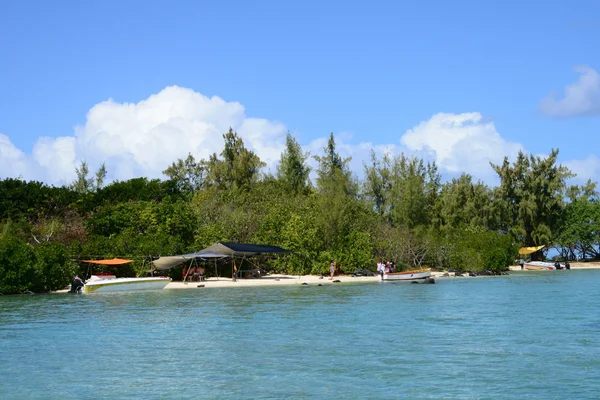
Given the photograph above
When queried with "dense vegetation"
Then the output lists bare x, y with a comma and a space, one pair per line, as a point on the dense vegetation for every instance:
401, 211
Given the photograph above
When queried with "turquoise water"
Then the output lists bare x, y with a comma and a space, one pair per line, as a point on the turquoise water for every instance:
525, 336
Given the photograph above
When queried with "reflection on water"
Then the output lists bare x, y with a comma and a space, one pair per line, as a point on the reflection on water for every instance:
460, 338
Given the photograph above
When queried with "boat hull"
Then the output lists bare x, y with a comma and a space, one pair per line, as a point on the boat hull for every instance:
539, 266
125, 285
406, 276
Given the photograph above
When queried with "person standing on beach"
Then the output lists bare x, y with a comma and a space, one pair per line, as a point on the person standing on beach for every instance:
331, 269
522, 262
380, 267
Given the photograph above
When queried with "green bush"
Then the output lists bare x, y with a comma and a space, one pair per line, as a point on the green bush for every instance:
38, 269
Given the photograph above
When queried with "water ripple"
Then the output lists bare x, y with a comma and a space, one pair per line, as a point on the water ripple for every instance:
526, 336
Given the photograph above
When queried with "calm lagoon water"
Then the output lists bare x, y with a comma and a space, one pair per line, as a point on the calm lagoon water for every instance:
523, 336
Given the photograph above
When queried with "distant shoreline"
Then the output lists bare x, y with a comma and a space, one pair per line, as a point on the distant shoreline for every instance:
574, 265
316, 280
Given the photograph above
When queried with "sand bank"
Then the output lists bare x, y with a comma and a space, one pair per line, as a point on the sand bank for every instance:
272, 280
574, 265
283, 280
286, 280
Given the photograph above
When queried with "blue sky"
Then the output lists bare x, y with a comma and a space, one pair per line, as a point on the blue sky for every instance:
371, 72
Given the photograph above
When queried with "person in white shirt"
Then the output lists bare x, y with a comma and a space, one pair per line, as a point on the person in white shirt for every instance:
380, 267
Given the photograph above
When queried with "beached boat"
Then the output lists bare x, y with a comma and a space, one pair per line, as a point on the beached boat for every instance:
407, 275
110, 283
539, 266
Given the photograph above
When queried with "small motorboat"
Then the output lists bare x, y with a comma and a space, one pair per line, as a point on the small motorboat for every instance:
110, 283
540, 266
407, 275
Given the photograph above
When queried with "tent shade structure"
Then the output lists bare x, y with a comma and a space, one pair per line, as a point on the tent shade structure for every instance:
215, 252
530, 250
164, 263
114, 261
242, 249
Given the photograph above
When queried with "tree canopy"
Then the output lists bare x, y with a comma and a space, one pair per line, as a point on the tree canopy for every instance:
400, 210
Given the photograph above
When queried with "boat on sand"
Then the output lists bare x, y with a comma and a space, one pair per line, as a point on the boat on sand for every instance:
414, 275
539, 266
110, 283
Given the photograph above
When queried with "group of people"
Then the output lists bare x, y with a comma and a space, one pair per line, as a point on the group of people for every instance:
193, 273
385, 267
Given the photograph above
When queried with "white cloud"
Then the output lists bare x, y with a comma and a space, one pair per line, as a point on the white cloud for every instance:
579, 98
142, 139
13, 162
588, 168
56, 156
461, 143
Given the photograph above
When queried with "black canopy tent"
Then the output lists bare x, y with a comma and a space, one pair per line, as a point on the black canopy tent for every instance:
218, 251
242, 250
164, 263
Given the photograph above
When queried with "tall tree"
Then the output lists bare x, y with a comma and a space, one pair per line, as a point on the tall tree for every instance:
237, 168
292, 169
333, 167
413, 192
532, 197
82, 184
188, 174
337, 194
463, 203
580, 228
378, 183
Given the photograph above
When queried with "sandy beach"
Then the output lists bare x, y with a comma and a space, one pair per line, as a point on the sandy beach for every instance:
285, 280
272, 280
282, 280
574, 265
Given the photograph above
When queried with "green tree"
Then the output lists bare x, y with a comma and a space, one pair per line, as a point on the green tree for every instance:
413, 192
25, 268
292, 169
83, 184
463, 203
21, 200
378, 183
238, 167
188, 174
337, 191
532, 197
580, 228
332, 166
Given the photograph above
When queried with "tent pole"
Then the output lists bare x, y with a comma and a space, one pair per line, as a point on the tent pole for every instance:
188, 271
234, 277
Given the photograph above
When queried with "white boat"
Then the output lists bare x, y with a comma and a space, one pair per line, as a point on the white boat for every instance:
539, 266
407, 275
110, 283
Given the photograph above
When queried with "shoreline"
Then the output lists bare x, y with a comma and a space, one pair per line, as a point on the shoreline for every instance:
286, 280
574, 265
298, 280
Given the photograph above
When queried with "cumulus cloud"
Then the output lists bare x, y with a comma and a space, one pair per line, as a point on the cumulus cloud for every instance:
587, 168
142, 139
456, 142
460, 143
13, 162
579, 98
